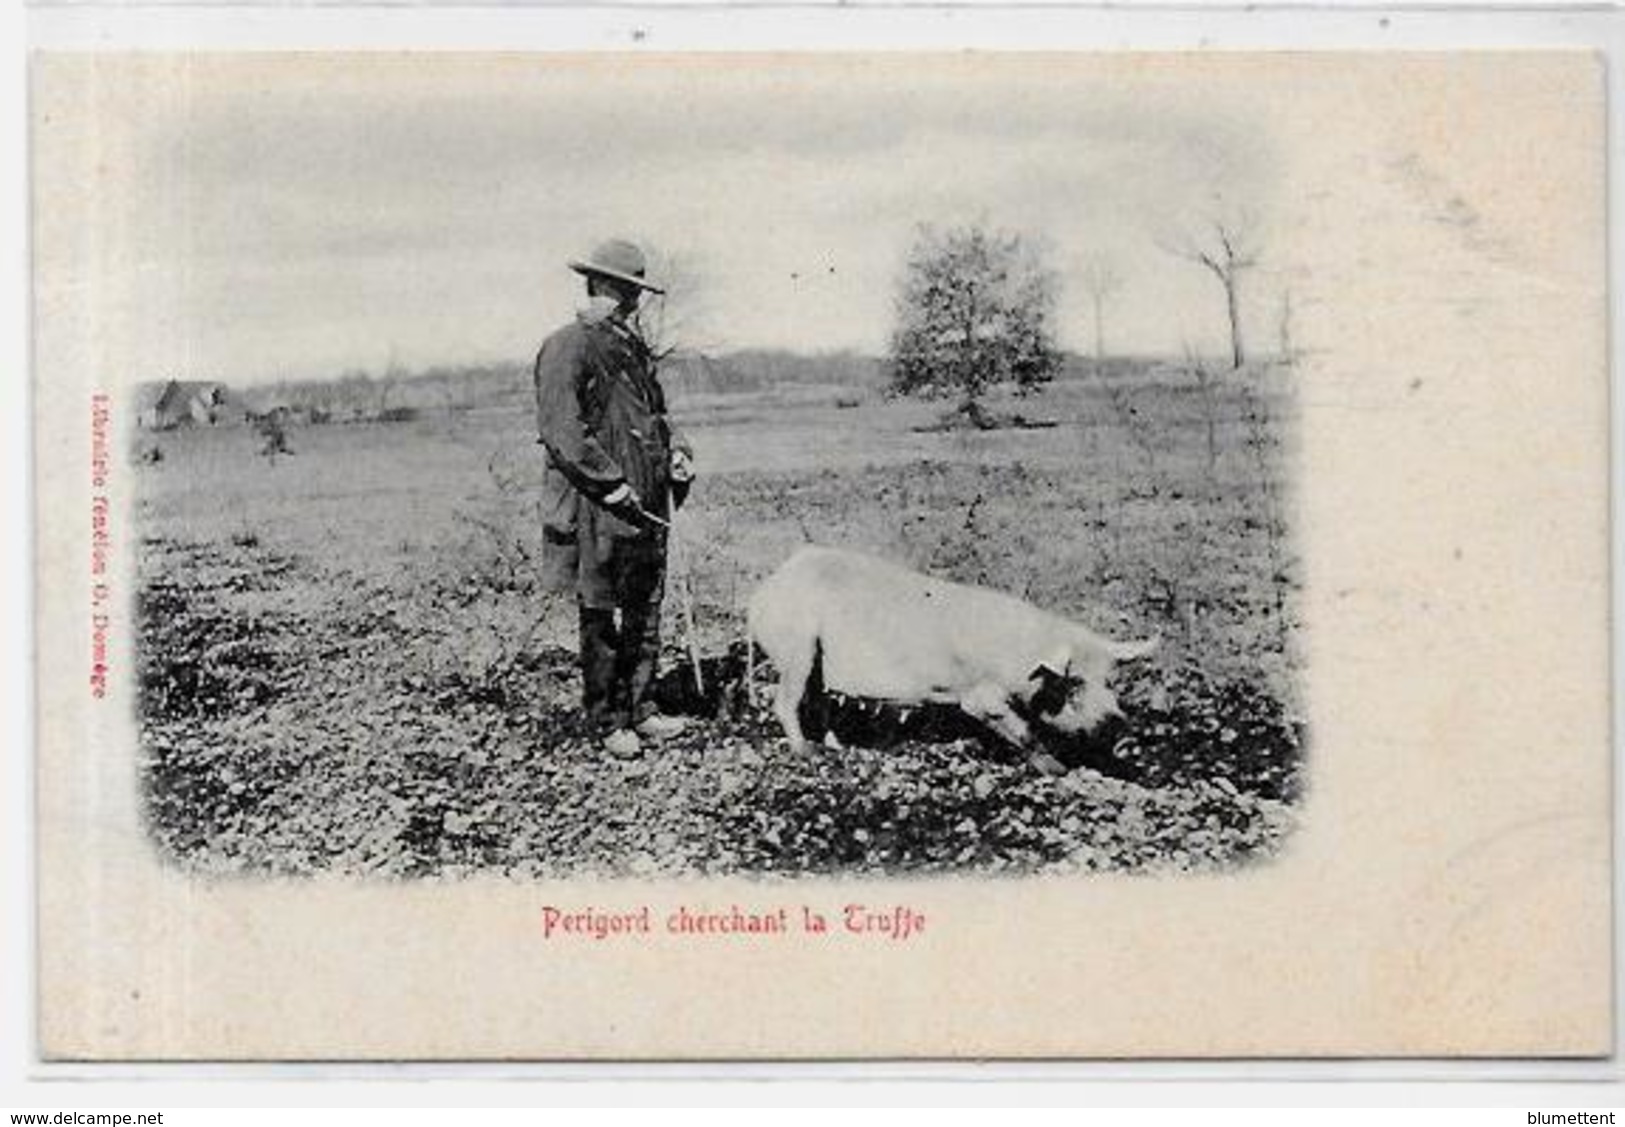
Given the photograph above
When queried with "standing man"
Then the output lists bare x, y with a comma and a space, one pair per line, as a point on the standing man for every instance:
615, 471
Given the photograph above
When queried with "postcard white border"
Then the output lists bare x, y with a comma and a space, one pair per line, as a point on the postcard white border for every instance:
913, 28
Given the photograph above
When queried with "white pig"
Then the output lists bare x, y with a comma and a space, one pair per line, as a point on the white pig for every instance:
887, 633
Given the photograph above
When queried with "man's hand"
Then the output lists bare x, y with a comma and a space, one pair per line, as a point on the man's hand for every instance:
682, 476
682, 466
623, 502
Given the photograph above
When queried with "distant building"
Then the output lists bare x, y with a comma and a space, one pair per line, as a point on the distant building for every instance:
178, 403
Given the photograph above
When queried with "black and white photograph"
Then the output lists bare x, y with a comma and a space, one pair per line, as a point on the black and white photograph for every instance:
533, 537
773, 477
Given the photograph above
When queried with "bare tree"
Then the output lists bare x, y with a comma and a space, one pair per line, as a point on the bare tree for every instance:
1205, 379
1286, 345
1227, 246
393, 380
671, 322
1102, 281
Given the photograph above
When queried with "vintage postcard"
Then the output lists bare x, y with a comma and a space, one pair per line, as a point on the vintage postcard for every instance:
577, 557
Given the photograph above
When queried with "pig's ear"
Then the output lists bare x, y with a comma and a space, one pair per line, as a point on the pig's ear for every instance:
1056, 663
1133, 651
1055, 683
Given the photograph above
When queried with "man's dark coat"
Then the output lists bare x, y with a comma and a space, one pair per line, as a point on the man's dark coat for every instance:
601, 414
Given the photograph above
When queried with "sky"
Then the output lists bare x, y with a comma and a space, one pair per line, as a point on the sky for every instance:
301, 216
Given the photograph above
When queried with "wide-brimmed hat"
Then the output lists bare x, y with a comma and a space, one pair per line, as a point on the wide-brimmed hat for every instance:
617, 259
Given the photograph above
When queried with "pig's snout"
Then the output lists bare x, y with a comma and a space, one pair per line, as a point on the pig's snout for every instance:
1088, 714
1112, 727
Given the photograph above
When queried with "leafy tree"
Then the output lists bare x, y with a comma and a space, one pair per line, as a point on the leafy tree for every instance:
974, 308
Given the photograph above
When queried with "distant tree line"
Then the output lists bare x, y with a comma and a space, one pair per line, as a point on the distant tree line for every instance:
357, 395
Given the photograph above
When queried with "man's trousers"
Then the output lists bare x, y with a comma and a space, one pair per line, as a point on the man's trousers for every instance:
620, 643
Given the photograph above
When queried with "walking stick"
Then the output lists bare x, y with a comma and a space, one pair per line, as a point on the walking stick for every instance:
685, 595
750, 665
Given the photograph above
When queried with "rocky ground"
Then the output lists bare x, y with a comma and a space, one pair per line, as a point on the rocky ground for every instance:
363, 732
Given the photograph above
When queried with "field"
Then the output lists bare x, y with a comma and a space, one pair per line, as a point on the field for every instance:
346, 663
